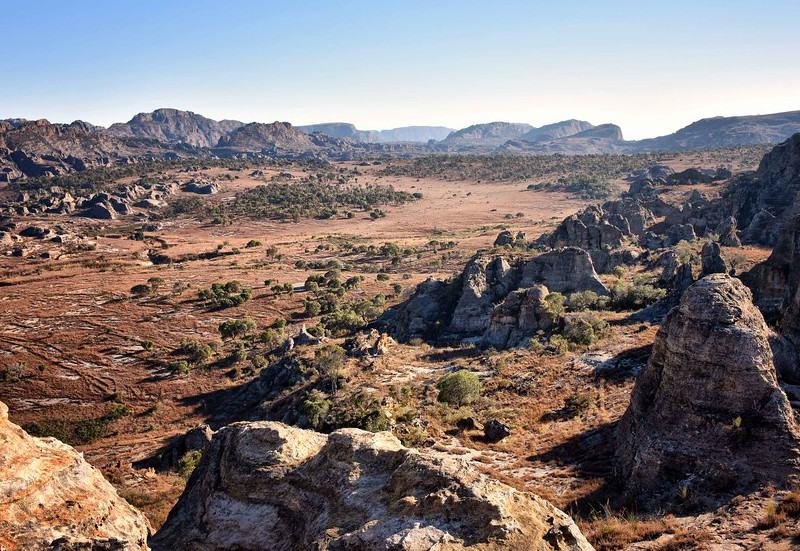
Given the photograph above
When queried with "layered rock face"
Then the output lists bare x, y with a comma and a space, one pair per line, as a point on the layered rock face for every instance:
707, 410
51, 498
266, 486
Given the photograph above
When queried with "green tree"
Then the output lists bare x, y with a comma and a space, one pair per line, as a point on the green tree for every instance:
459, 388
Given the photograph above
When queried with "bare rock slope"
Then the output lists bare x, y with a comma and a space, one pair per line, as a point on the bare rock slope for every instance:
267, 486
51, 498
707, 411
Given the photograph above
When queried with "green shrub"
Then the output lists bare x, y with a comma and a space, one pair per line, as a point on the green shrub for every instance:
382, 277
459, 388
141, 290
585, 328
197, 351
587, 300
188, 463
635, 295
179, 367
236, 327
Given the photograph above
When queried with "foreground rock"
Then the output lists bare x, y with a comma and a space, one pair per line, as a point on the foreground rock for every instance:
51, 498
267, 486
707, 412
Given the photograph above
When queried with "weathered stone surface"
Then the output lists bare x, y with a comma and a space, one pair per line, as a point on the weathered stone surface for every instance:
678, 233
711, 259
707, 407
728, 233
518, 317
415, 318
266, 486
485, 281
51, 498
775, 281
198, 438
202, 187
564, 270
102, 211
504, 238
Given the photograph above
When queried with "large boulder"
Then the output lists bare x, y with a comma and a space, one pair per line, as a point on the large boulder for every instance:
566, 270
266, 486
707, 411
51, 498
485, 281
416, 318
519, 317
711, 259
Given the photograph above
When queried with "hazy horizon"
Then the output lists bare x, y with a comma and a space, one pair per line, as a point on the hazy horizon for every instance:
651, 69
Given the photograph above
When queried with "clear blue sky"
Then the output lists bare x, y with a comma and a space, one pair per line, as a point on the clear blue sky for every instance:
650, 67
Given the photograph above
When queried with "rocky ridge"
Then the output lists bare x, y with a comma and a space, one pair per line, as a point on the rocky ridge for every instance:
267, 486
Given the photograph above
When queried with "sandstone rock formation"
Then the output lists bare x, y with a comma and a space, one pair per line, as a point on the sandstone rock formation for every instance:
707, 412
518, 317
775, 281
495, 302
266, 486
564, 270
485, 281
711, 259
51, 498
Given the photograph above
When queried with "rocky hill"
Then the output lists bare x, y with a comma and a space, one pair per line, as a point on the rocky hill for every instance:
40, 148
51, 498
489, 135
420, 134
555, 131
269, 486
174, 126
341, 130
726, 131
602, 139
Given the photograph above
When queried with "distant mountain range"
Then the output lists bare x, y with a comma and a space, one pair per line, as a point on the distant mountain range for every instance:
421, 134
36, 148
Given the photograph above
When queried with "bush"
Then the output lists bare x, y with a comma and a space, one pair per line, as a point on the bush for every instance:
141, 290
459, 388
188, 463
197, 351
179, 367
587, 300
382, 277
236, 327
585, 328
225, 296
635, 295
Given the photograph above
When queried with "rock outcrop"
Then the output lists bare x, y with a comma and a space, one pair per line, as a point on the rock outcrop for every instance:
51, 498
775, 281
707, 411
564, 270
485, 281
267, 486
711, 259
493, 302
519, 317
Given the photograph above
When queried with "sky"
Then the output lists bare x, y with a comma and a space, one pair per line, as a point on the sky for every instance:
651, 67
